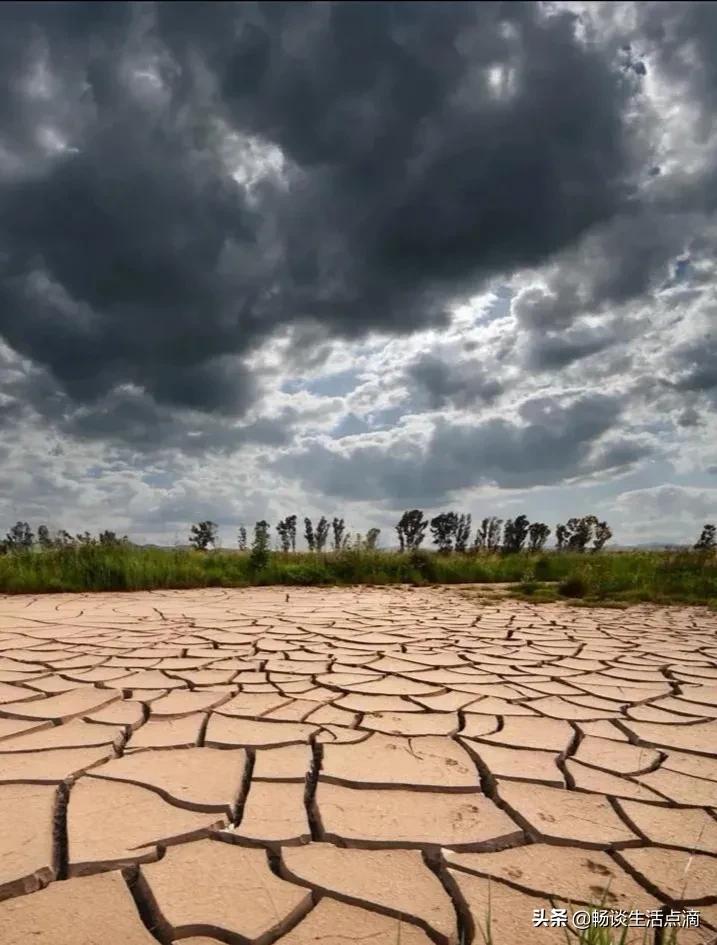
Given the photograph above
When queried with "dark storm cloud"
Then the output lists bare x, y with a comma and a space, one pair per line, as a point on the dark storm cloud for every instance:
696, 363
412, 172
554, 442
441, 383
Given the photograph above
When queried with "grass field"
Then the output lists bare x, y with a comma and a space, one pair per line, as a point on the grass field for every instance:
621, 576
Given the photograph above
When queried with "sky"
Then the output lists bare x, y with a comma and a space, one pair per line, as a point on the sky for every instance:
356, 258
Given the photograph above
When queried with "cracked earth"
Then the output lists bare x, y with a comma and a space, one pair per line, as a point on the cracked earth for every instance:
349, 765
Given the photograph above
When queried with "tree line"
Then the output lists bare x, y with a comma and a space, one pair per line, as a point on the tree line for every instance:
449, 531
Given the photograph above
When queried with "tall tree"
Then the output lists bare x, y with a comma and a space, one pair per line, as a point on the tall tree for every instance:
463, 531
538, 533
495, 526
203, 535
480, 542
284, 536
63, 539
242, 538
603, 534
322, 533
580, 531
43, 537
372, 538
708, 539
260, 546
108, 537
443, 530
411, 530
562, 533
309, 534
338, 528
291, 525
20, 537
515, 533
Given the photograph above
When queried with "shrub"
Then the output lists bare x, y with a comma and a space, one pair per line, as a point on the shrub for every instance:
424, 564
573, 586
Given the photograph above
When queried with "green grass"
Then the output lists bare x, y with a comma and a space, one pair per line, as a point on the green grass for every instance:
608, 578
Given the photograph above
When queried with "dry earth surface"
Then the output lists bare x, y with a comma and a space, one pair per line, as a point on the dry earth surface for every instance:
345, 765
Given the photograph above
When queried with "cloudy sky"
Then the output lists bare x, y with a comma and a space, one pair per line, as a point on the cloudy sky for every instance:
356, 258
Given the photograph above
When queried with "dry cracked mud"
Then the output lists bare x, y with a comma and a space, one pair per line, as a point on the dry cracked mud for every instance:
265, 766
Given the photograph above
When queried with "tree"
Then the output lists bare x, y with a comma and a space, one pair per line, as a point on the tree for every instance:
43, 537
203, 535
322, 533
515, 533
708, 539
20, 537
242, 538
443, 530
411, 530
85, 539
338, 528
494, 531
603, 533
372, 538
538, 533
284, 536
481, 537
260, 546
463, 531
63, 539
521, 527
291, 526
580, 531
110, 538
309, 534
561, 536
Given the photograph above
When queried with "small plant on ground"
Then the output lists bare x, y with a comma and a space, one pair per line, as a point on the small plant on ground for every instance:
573, 586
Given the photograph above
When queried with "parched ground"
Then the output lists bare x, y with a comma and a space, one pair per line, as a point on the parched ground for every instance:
349, 765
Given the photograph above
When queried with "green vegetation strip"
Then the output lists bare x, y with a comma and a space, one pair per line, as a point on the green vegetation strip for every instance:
662, 577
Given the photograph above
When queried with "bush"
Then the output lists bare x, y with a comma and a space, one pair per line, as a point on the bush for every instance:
574, 586
541, 569
424, 564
